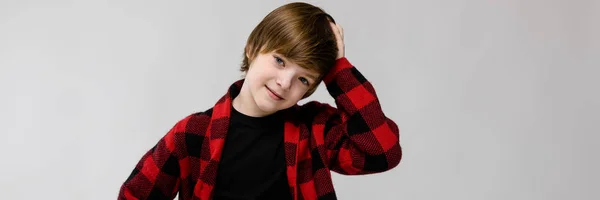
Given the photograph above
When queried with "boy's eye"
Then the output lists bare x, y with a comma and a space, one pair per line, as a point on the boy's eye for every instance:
304, 81
279, 61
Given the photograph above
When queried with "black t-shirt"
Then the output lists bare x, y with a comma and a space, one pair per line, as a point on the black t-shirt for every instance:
252, 164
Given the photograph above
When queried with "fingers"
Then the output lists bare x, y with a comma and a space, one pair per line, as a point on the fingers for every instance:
341, 31
337, 31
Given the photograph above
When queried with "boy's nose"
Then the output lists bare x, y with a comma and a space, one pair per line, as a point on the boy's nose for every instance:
284, 80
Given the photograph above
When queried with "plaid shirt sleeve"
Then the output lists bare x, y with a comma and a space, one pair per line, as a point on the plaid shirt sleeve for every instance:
157, 174
358, 137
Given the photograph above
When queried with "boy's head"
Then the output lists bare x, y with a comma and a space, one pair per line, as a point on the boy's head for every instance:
287, 55
301, 33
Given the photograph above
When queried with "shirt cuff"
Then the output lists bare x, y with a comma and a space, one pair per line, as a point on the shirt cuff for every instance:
340, 64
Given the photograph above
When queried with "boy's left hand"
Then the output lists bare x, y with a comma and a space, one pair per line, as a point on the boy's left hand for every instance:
339, 37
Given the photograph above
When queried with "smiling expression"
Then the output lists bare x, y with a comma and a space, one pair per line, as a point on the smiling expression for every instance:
273, 83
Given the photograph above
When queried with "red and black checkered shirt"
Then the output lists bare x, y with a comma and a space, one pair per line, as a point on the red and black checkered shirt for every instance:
354, 138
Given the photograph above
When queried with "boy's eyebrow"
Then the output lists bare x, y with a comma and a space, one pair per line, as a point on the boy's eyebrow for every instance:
281, 56
310, 75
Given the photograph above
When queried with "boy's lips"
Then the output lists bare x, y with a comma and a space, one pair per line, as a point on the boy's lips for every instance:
274, 93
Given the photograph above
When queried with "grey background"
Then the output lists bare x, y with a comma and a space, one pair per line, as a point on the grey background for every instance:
494, 99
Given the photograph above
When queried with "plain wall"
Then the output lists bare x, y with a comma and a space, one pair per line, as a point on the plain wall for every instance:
494, 99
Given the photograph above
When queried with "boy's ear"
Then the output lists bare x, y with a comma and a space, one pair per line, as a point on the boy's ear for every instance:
246, 50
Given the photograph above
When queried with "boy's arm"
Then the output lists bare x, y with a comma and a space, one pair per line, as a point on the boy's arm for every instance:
157, 174
360, 139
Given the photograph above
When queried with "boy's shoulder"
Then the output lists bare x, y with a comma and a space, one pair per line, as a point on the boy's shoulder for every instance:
312, 106
313, 109
195, 123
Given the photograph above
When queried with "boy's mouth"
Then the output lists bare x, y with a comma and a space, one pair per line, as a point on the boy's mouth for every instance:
274, 94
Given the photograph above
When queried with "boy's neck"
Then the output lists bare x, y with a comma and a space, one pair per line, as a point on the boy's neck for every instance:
245, 105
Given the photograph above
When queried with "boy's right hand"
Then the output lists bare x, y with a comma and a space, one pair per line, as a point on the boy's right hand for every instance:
339, 37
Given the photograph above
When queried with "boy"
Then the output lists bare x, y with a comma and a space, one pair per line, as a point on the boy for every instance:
256, 142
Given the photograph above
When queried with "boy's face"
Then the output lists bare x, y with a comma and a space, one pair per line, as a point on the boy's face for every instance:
274, 83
